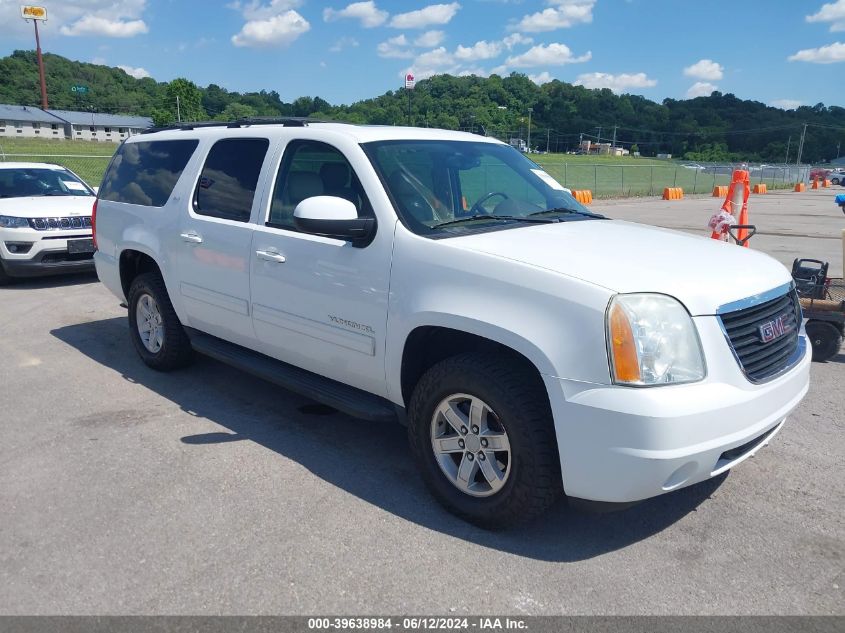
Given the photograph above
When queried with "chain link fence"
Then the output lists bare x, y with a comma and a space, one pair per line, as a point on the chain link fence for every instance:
604, 180
623, 181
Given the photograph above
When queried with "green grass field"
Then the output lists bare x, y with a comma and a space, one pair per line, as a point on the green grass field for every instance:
605, 176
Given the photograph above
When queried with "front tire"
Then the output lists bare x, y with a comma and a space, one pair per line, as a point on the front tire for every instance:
4, 278
154, 327
480, 429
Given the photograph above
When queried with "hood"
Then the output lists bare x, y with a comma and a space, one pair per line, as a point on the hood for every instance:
47, 206
625, 257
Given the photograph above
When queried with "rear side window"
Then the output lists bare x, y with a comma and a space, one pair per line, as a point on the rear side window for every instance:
229, 177
146, 173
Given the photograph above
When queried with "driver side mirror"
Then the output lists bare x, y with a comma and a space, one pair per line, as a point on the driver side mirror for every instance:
334, 217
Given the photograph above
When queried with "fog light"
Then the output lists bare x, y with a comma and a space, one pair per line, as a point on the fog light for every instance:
19, 248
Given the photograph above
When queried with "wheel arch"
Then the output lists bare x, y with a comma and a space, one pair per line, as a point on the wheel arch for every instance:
426, 345
133, 262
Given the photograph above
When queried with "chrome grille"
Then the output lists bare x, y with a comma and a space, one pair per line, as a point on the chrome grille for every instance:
58, 224
764, 336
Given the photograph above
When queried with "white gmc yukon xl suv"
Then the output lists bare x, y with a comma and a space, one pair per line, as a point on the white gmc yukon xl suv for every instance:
443, 279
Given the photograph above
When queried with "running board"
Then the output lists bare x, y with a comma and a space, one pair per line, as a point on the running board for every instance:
349, 400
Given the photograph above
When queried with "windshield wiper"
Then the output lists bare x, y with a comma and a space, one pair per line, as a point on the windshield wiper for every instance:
565, 210
517, 218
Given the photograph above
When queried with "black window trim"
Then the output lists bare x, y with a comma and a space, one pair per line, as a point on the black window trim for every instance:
285, 162
195, 213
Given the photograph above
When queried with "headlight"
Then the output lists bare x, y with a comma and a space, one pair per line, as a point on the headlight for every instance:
652, 341
9, 222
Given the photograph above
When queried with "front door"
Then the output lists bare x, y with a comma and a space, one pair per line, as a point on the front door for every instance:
320, 303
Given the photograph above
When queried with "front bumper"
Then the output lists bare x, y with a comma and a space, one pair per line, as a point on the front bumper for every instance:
46, 253
620, 444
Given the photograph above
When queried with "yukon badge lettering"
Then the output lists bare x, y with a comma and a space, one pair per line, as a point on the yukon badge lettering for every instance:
775, 328
352, 324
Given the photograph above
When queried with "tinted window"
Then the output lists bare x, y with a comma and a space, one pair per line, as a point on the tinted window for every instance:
227, 184
146, 173
314, 169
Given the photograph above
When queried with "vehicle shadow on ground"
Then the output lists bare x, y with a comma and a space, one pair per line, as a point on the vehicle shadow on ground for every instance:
366, 459
53, 281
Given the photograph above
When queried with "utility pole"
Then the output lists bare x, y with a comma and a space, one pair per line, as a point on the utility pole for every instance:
788, 143
178, 110
598, 138
801, 147
614, 136
530, 110
37, 14
837, 148
548, 133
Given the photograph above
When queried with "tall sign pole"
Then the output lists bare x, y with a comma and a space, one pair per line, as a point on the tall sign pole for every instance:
38, 14
410, 83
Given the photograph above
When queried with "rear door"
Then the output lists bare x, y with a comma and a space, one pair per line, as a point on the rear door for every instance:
213, 245
317, 302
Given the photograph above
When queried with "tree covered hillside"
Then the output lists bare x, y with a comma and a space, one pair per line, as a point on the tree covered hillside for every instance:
718, 127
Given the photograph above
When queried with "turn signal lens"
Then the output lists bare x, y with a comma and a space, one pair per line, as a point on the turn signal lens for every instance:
625, 363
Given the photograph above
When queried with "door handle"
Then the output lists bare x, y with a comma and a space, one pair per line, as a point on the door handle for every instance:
271, 255
191, 237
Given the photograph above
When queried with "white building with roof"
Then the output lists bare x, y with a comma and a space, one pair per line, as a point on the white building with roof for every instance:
28, 122
31, 122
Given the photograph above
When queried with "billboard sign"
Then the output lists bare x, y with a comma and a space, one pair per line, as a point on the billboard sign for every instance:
410, 82
29, 12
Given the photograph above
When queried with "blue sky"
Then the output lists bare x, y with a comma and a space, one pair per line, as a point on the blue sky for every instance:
781, 52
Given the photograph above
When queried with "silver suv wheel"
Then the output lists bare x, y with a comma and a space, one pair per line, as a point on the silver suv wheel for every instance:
470, 445
149, 323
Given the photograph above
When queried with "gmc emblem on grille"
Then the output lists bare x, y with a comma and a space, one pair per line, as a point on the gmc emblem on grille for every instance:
775, 328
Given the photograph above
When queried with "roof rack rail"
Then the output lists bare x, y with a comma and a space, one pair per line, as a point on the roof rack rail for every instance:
283, 121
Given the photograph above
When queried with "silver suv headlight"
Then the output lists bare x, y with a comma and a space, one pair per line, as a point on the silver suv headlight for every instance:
9, 222
651, 340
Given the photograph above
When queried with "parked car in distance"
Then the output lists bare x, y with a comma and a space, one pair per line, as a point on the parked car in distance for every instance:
45, 221
532, 347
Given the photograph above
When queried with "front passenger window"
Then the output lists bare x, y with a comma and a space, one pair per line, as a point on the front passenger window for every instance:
310, 169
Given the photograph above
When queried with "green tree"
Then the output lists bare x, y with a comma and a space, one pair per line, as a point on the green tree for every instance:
183, 97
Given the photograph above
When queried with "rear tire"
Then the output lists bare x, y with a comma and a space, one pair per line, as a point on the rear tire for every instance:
154, 327
491, 488
825, 338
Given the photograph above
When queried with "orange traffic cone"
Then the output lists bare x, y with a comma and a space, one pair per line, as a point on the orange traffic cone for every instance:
735, 201
815, 183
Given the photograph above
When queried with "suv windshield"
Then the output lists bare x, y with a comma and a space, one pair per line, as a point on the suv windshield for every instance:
452, 187
25, 182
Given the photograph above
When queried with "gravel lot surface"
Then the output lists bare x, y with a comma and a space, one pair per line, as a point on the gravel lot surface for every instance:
207, 491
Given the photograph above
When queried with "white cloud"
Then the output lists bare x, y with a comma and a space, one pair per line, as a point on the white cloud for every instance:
343, 42
515, 39
138, 73
700, 89
123, 18
105, 27
542, 55
479, 50
427, 16
617, 83
254, 10
565, 14
705, 69
786, 104
366, 12
829, 54
543, 78
430, 39
396, 47
278, 30
833, 12
437, 58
